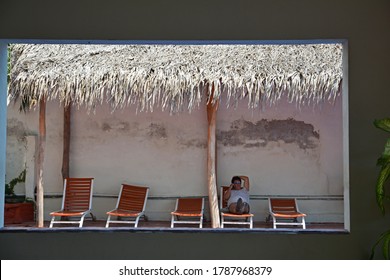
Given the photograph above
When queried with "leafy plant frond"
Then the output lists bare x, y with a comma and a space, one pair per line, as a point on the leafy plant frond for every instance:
384, 174
383, 160
9, 188
385, 238
383, 124
386, 246
386, 152
380, 187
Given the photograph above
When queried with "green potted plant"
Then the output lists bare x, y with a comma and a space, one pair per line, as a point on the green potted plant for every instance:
381, 196
17, 209
10, 195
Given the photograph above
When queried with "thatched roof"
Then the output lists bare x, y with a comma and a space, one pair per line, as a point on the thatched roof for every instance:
174, 77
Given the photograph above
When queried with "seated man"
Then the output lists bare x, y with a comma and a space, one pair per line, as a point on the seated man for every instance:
238, 195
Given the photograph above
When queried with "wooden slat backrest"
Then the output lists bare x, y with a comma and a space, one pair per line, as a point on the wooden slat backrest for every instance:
283, 205
190, 205
223, 200
77, 194
132, 198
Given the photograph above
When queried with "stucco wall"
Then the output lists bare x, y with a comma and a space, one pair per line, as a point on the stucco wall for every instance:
285, 150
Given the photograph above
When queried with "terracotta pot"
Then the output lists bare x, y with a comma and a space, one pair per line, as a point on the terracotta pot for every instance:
16, 213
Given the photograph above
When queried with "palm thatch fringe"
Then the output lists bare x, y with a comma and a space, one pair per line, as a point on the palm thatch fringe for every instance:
175, 77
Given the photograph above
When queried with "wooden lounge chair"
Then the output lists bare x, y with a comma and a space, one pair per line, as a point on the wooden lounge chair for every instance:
130, 206
76, 202
188, 211
230, 218
284, 211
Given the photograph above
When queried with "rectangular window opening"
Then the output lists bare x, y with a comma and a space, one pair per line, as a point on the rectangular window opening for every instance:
150, 114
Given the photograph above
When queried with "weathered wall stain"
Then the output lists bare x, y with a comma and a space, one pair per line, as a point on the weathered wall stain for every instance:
157, 131
153, 130
192, 143
241, 133
17, 128
106, 127
119, 126
249, 135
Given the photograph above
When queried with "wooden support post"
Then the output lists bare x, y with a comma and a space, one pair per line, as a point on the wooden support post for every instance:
41, 150
66, 142
211, 163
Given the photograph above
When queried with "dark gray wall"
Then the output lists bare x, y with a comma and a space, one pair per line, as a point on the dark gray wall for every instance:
365, 24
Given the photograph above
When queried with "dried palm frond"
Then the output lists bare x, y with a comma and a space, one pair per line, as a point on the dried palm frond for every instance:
175, 77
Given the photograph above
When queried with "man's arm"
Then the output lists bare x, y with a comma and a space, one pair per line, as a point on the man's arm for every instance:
227, 193
246, 181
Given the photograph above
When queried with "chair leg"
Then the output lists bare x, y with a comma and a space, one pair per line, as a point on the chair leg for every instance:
172, 221
81, 221
52, 221
303, 223
108, 221
136, 221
